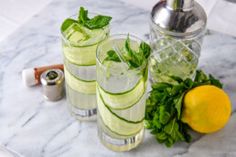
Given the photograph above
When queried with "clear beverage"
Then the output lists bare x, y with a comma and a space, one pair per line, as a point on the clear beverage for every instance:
173, 56
79, 50
121, 97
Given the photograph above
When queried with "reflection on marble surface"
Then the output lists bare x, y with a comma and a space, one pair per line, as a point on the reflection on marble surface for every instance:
37, 128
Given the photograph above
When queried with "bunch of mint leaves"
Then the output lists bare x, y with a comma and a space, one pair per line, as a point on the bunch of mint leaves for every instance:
164, 107
96, 22
133, 58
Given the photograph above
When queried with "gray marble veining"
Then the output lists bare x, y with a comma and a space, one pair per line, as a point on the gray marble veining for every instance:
37, 128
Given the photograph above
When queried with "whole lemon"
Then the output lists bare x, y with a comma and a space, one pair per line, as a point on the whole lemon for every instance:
206, 108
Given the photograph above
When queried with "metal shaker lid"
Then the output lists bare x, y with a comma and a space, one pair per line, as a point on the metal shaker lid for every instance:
179, 18
53, 84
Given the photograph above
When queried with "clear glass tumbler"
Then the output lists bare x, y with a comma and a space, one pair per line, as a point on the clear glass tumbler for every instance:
79, 50
173, 56
177, 31
121, 96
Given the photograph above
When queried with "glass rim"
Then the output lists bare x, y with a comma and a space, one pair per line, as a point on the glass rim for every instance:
104, 29
121, 36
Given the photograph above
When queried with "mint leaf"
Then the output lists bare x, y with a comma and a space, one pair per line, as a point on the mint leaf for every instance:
172, 130
176, 78
83, 16
161, 86
215, 81
188, 83
183, 128
96, 22
161, 137
112, 56
164, 115
67, 23
178, 105
145, 49
177, 89
200, 77
133, 58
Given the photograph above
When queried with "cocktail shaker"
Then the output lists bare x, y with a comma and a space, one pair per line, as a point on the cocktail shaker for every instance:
177, 30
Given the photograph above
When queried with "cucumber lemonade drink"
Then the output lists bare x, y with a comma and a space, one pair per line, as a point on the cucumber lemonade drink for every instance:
121, 91
81, 36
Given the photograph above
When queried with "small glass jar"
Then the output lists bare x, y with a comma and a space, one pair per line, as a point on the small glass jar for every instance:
177, 28
79, 50
121, 96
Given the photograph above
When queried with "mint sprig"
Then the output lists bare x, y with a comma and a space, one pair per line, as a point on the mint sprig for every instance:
133, 58
164, 108
96, 22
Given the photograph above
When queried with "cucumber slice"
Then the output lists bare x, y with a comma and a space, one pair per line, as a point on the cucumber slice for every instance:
80, 100
79, 36
115, 124
87, 73
82, 86
121, 101
135, 114
80, 56
80, 43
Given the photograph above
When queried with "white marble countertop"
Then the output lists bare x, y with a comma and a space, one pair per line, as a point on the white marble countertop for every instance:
37, 128
14, 13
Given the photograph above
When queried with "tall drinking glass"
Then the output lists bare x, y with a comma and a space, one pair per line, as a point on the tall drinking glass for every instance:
79, 48
121, 96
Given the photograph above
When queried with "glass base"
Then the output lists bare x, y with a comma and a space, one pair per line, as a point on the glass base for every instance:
82, 106
84, 114
116, 142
